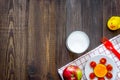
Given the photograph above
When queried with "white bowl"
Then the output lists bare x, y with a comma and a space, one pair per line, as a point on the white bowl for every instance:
77, 42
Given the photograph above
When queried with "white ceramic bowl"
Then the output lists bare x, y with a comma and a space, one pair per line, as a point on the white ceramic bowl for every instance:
77, 42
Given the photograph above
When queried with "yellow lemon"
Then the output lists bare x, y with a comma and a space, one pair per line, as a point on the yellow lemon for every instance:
114, 23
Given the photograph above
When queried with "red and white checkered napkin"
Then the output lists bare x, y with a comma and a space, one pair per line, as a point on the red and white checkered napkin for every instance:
100, 50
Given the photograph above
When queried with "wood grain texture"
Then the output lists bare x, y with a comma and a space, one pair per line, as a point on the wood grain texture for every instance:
33, 34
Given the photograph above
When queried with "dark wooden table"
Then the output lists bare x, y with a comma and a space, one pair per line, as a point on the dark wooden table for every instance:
33, 34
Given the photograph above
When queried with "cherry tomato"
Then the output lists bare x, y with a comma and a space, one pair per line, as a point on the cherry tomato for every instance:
101, 78
109, 75
92, 75
93, 64
109, 67
103, 60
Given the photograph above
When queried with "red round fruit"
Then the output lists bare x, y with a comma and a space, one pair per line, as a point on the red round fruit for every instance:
109, 67
101, 78
72, 72
103, 60
92, 75
109, 75
93, 64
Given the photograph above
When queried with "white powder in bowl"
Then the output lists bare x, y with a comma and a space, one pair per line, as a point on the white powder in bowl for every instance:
78, 42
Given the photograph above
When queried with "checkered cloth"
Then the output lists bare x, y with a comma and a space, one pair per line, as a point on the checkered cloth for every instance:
100, 50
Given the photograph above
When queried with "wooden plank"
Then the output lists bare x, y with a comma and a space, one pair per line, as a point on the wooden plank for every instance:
62, 55
42, 40
13, 40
